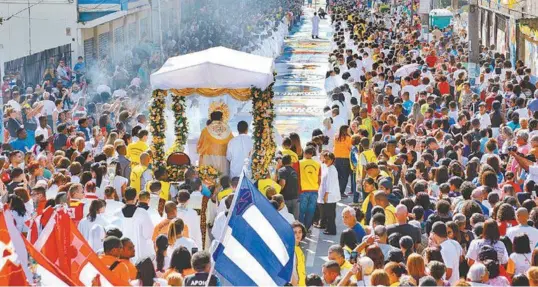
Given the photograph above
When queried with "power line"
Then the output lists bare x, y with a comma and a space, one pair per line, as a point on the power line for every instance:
5, 20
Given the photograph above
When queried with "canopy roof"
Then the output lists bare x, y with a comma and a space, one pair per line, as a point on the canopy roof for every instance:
215, 68
440, 12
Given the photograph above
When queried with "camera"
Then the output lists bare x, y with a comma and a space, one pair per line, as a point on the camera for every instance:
512, 148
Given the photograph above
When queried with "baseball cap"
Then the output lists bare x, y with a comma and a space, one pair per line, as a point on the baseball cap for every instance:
386, 183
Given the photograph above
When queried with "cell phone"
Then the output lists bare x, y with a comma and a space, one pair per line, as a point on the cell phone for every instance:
353, 257
194, 250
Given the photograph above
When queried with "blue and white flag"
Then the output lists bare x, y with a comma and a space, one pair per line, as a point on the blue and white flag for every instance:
257, 248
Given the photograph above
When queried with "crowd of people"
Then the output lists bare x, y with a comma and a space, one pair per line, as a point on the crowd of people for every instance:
440, 168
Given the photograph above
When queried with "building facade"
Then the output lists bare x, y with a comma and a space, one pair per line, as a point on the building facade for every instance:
36, 34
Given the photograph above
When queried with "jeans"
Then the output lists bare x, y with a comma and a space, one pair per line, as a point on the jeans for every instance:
343, 167
354, 189
293, 207
307, 203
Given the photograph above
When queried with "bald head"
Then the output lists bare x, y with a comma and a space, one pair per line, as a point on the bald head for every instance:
401, 213
381, 198
145, 158
170, 208
522, 215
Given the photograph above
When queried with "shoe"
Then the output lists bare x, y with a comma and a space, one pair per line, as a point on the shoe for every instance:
318, 226
344, 196
328, 233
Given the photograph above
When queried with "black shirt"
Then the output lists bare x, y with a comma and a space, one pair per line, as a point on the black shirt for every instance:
199, 279
405, 229
291, 188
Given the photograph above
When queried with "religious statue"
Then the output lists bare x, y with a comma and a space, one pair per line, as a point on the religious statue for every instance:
214, 139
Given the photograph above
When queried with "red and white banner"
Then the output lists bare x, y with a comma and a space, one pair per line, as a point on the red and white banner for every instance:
63, 244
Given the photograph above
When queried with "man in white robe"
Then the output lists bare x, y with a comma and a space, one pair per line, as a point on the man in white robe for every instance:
315, 26
112, 205
239, 149
190, 217
136, 224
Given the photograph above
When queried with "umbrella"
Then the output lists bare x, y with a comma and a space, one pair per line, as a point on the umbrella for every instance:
406, 70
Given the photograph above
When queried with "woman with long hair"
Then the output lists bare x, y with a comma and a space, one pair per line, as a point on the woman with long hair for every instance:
416, 267
506, 218
490, 236
296, 144
145, 272
18, 211
92, 227
521, 260
342, 150
162, 261
180, 262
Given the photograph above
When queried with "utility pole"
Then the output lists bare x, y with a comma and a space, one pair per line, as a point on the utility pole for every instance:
29, 31
474, 51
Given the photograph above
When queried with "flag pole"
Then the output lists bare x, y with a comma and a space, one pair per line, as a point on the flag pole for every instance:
230, 211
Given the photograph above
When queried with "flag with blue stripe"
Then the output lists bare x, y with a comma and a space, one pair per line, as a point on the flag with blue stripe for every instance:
257, 248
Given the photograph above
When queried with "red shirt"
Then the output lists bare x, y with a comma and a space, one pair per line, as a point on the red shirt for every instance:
431, 60
76, 210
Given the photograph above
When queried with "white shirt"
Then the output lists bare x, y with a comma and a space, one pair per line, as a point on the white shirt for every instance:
499, 247
531, 232
412, 92
93, 236
48, 107
195, 201
485, 120
111, 207
451, 252
239, 149
42, 131
183, 241
52, 191
329, 185
522, 262
191, 218
219, 226
523, 113
287, 215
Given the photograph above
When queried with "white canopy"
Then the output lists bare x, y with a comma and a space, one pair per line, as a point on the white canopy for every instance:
217, 67
440, 12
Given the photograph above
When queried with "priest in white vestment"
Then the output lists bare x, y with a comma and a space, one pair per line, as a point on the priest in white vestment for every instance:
190, 217
239, 149
112, 205
92, 227
136, 224
315, 26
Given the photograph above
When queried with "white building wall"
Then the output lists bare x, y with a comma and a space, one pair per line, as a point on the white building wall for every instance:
53, 23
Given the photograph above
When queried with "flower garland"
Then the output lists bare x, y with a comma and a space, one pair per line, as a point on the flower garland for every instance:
158, 126
181, 126
264, 143
208, 173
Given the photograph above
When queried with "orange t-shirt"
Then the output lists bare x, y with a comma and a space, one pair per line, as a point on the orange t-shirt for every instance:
121, 270
342, 149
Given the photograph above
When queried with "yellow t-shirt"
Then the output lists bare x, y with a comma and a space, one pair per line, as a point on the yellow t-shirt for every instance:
294, 156
310, 173
223, 193
134, 150
390, 215
263, 184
